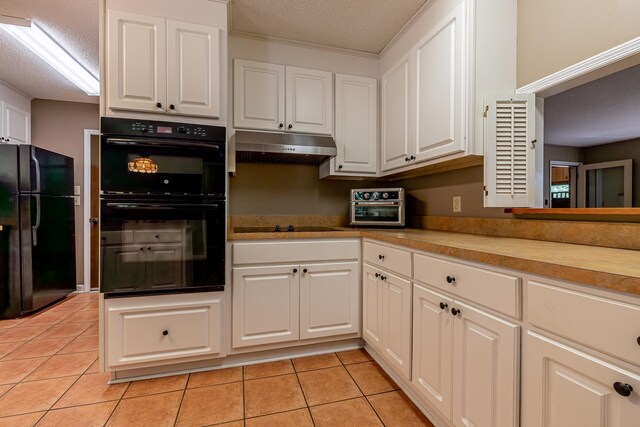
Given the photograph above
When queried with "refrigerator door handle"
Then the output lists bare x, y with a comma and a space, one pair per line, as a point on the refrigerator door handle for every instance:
37, 168
34, 228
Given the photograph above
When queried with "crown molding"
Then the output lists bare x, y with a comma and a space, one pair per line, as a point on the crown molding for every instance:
423, 9
298, 43
581, 69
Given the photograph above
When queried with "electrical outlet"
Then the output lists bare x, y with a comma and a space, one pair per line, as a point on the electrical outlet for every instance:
457, 204
76, 200
76, 190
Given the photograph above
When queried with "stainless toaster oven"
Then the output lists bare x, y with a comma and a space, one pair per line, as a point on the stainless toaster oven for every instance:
383, 207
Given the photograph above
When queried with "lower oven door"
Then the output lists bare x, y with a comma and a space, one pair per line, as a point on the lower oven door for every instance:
377, 214
155, 246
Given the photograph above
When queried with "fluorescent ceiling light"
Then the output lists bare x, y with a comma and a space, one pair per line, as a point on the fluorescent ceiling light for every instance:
53, 54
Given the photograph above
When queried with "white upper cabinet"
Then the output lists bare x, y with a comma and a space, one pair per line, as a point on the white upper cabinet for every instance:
436, 78
15, 124
274, 97
356, 124
439, 89
258, 93
397, 136
309, 103
193, 69
162, 66
510, 158
137, 57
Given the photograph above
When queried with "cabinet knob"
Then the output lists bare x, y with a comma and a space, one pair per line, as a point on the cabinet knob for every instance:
383, 277
281, 125
290, 127
304, 270
377, 274
412, 157
443, 305
295, 270
165, 332
455, 311
172, 107
339, 166
157, 236
406, 159
142, 249
638, 340
623, 389
158, 104
381, 257
451, 279
148, 248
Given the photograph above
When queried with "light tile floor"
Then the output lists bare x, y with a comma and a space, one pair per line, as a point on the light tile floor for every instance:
49, 377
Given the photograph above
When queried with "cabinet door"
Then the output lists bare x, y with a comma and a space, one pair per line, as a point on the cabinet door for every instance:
136, 62
124, 267
16, 124
432, 347
265, 305
309, 101
439, 89
193, 69
329, 300
165, 266
485, 369
151, 329
372, 307
397, 134
565, 387
396, 321
258, 95
356, 124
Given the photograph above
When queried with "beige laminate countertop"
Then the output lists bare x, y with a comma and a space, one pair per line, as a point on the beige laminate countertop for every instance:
616, 269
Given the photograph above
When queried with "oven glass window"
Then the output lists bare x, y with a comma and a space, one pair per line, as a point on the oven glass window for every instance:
377, 213
140, 169
148, 247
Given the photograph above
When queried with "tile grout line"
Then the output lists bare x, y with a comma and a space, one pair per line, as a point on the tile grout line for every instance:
184, 391
366, 398
117, 405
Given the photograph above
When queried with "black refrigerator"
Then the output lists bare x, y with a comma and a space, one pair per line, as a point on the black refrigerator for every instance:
37, 229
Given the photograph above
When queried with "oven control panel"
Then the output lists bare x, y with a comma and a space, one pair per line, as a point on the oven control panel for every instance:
157, 129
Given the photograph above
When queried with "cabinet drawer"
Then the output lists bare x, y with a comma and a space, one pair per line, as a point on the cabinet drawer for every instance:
610, 326
497, 291
391, 259
295, 251
157, 236
156, 329
116, 237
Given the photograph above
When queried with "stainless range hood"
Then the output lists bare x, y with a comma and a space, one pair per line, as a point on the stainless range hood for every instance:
266, 147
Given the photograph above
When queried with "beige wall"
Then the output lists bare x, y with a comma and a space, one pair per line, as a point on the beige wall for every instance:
59, 126
554, 34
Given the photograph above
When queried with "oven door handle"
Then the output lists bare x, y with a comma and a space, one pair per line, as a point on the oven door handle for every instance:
376, 204
170, 143
164, 206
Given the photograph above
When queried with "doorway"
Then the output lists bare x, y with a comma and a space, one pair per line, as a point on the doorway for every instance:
91, 210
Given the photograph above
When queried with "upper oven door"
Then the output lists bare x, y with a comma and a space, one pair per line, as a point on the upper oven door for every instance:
175, 167
159, 246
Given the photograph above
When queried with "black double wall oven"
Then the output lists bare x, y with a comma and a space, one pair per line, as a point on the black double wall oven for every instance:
162, 207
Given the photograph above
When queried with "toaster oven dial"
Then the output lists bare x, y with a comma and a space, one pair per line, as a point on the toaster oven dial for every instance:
385, 195
376, 195
367, 196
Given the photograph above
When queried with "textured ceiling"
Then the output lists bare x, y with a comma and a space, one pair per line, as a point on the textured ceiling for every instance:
73, 24
603, 111
362, 25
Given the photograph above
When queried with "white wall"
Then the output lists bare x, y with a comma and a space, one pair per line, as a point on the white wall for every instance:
15, 98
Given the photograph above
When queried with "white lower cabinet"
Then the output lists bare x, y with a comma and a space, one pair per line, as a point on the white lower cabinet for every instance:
465, 361
329, 300
569, 388
486, 354
265, 305
387, 317
146, 331
291, 291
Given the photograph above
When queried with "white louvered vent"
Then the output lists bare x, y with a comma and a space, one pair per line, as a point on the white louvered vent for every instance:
510, 151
